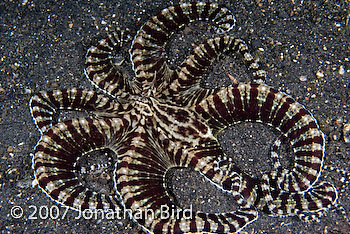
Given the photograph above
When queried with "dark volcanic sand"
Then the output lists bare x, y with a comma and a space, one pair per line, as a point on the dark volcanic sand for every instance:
304, 46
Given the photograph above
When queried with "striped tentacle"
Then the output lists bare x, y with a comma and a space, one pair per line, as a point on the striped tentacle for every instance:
199, 222
260, 103
175, 127
140, 180
45, 104
274, 153
56, 155
211, 161
184, 88
308, 205
102, 67
147, 50
201, 149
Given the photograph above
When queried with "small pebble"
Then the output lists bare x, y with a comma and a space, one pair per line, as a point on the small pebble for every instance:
27, 91
341, 70
319, 74
335, 136
303, 78
346, 133
339, 122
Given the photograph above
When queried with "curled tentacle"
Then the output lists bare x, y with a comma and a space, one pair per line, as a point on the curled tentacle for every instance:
308, 205
260, 103
184, 86
102, 69
57, 152
140, 180
148, 45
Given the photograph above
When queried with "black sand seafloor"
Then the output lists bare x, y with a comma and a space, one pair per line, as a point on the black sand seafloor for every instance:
303, 45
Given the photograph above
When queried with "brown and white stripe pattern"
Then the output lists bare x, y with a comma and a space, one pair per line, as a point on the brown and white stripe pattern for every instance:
149, 63
164, 119
45, 105
307, 205
102, 69
147, 51
57, 152
184, 86
140, 180
260, 103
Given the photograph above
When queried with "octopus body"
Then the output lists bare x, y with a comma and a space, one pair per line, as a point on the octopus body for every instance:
164, 119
